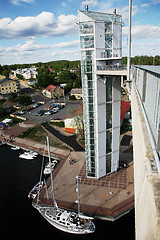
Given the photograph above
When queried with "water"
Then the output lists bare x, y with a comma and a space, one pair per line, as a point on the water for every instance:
19, 219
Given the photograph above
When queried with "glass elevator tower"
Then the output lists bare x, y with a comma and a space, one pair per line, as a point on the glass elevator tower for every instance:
101, 48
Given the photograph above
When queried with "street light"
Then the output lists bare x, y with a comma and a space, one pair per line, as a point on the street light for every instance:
111, 193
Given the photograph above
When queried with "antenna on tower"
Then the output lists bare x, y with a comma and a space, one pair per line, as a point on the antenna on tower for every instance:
86, 8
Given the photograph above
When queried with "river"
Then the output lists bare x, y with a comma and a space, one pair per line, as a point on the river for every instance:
20, 220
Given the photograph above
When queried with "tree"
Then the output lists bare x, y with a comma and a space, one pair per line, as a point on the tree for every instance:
45, 77
25, 100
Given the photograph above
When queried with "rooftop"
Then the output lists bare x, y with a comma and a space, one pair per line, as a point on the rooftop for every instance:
150, 68
50, 87
106, 17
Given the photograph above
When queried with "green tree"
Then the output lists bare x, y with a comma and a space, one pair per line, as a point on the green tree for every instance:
25, 100
45, 77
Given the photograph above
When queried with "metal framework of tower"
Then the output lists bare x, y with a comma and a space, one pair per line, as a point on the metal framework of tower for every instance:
101, 46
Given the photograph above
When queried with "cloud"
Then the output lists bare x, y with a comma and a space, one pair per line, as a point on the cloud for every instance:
143, 32
32, 46
19, 2
32, 51
44, 25
91, 3
63, 4
154, 2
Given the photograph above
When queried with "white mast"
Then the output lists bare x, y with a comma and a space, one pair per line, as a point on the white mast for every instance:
129, 47
77, 190
49, 156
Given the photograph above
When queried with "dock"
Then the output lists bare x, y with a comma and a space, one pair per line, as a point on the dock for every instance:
107, 198
29, 145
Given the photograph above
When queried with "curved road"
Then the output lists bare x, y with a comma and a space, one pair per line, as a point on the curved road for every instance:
71, 140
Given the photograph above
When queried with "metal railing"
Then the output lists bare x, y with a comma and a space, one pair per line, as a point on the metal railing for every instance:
112, 68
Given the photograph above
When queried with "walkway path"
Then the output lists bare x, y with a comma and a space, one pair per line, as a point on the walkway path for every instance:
69, 140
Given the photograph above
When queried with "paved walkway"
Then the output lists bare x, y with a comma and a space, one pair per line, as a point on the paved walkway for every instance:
107, 198
28, 144
69, 140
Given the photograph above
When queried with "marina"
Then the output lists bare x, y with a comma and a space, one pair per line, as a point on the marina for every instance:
15, 202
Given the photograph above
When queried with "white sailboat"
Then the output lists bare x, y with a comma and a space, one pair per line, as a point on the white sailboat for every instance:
65, 220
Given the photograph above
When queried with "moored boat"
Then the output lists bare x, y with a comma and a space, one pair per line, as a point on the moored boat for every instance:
35, 190
30, 155
15, 148
65, 220
47, 169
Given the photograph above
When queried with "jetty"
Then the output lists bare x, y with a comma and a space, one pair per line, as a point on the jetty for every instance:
107, 198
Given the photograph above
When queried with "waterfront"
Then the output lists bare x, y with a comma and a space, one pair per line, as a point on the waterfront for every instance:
19, 218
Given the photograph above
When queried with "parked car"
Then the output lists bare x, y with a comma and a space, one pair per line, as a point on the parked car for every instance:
39, 113
48, 113
21, 112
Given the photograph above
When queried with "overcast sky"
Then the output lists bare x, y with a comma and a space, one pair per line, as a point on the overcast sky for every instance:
46, 30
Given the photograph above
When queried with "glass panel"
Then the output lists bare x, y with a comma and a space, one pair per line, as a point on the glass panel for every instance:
108, 41
108, 141
108, 89
86, 28
109, 115
108, 163
87, 41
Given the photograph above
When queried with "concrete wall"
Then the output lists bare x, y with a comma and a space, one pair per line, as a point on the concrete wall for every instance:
146, 178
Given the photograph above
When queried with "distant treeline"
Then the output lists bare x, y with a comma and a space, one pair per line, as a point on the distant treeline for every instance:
143, 60
65, 64
56, 65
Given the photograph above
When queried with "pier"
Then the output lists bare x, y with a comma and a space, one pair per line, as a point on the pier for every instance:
107, 198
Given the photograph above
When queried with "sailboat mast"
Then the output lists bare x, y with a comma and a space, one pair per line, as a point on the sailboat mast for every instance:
49, 156
77, 190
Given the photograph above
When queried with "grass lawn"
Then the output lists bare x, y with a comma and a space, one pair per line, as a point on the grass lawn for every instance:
38, 134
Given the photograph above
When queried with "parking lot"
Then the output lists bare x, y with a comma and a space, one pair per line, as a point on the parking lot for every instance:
60, 114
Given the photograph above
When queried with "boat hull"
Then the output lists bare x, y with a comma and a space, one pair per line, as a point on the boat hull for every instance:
54, 223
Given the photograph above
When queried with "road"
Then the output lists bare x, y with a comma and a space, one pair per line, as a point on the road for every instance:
69, 140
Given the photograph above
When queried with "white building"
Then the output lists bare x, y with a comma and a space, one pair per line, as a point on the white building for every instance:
101, 50
27, 73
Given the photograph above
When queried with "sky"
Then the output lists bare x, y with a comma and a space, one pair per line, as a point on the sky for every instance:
45, 30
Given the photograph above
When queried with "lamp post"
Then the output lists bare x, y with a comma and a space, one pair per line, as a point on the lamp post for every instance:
111, 193
129, 47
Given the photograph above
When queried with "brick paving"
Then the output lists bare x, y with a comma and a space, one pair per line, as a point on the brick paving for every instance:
95, 197
115, 180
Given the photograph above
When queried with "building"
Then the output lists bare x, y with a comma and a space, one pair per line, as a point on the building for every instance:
52, 91
145, 104
27, 73
9, 86
101, 52
74, 122
71, 124
77, 92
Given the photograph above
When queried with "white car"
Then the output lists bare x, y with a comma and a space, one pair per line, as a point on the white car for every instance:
48, 113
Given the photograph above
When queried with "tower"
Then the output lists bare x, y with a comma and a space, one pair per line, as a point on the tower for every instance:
101, 49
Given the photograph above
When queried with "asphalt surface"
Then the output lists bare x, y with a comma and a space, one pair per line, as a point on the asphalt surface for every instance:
61, 114
69, 140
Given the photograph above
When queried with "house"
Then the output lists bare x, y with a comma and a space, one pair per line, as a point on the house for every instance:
77, 92
74, 122
52, 91
9, 86
71, 125
27, 73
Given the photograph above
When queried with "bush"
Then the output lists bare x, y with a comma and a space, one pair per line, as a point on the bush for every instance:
58, 124
72, 97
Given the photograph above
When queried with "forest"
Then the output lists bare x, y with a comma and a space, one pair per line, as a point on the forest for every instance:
57, 72
143, 60
65, 64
